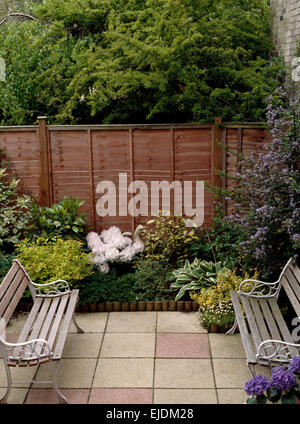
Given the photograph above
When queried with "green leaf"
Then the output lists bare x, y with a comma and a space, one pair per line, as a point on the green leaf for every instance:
252, 400
288, 398
273, 395
261, 399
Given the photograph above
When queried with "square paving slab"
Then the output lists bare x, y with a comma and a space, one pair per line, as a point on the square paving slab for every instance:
138, 357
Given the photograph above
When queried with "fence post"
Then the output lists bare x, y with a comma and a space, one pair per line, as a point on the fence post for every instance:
216, 153
44, 161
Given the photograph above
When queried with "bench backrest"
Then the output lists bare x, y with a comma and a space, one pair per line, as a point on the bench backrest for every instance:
12, 289
290, 282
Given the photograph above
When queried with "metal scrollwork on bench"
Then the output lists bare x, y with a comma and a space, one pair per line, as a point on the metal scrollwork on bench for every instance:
280, 351
258, 288
55, 288
32, 350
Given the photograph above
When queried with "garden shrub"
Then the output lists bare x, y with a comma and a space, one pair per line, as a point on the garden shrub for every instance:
111, 246
47, 260
110, 287
267, 190
220, 241
152, 281
168, 240
6, 260
195, 276
62, 218
215, 306
14, 212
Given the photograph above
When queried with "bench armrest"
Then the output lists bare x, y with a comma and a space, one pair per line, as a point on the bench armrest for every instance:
256, 288
279, 351
52, 289
26, 351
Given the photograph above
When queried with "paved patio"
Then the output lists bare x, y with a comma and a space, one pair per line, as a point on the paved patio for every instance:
140, 357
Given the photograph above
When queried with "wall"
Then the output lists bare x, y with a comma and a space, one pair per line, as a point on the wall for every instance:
285, 24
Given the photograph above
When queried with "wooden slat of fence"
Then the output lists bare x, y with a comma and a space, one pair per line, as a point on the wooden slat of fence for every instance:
91, 179
91, 153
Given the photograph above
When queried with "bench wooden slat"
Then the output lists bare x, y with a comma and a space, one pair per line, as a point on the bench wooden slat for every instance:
262, 328
270, 321
50, 316
251, 321
8, 278
30, 319
291, 295
295, 288
14, 302
59, 314
34, 334
9, 294
246, 339
65, 325
281, 323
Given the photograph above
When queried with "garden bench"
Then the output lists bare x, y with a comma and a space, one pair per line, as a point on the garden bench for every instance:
44, 333
264, 332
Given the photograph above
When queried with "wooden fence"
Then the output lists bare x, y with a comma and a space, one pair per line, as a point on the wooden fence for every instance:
53, 161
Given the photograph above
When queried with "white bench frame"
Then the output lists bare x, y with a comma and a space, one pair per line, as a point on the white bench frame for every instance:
253, 295
49, 319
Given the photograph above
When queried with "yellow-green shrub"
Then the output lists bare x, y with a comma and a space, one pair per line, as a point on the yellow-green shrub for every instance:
215, 306
51, 259
168, 240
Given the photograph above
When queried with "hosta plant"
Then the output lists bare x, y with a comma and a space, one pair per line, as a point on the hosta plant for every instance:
195, 276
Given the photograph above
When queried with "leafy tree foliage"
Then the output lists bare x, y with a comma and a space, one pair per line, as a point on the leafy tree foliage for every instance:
117, 61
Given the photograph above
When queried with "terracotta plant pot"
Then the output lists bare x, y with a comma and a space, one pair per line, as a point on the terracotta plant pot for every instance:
93, 307
85, 307
101, 307
109, 306
149, 305
133, 306
188, 306
117, 306
125, 306
180, 306
173, 305
141, 305
195, 306
213, 329
157, 306
165, 305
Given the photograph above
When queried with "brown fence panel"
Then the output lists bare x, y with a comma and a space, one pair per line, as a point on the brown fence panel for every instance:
20, 147
57, 161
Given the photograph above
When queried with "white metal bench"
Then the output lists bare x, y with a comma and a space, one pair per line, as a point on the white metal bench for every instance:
264, 333
44, 333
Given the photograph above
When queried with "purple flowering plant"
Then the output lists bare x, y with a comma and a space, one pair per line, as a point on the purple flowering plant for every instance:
282, 386
267, 189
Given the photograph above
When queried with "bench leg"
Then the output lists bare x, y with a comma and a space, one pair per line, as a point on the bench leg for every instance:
56, 366
79, 329
233, 328
252, 369
4, 398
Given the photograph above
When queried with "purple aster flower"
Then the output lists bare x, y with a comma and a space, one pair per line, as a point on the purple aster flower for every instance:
294, 365
282, 380
257, 385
